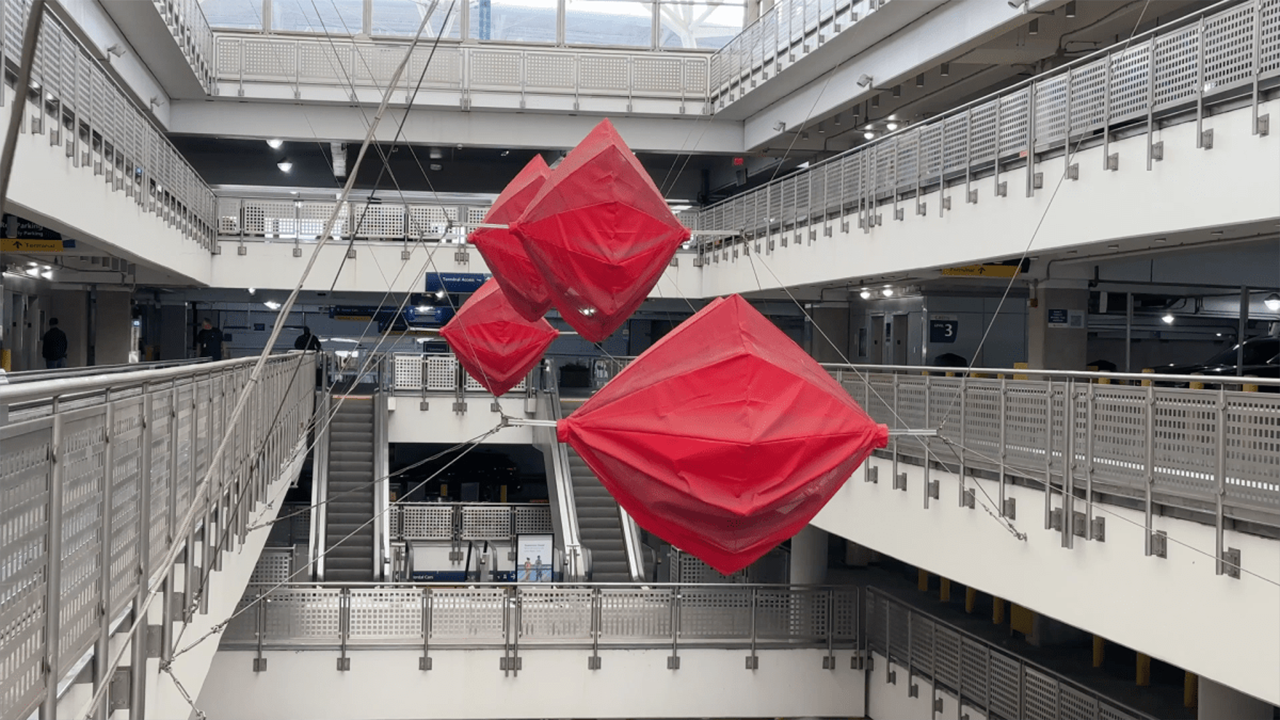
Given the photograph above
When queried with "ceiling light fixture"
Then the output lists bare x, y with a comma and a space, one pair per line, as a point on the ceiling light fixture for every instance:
1168, 319
285, 165
887, 292
253, 290
1272, 302
272, 305
864, 81
869, 135
506, 153
865, 294
275, 143
892, 126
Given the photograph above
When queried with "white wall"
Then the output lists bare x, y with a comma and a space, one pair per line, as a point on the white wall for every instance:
1191, 188
1174, 609
408, 423
556, 683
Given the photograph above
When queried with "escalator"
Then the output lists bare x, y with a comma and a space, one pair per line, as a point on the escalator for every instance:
600, 526
351, 493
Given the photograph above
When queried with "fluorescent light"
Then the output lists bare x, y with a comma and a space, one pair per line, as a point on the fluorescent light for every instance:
1168, 319
285, 165
1272, 302
275, 143
272, 305
865, 294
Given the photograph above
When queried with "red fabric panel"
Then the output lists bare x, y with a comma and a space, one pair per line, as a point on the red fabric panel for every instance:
600, 234
503, 252
495, 345
724, 438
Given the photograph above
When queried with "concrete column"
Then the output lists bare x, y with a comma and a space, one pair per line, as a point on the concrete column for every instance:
175, 332
1058, 328
809, 557
1219, 701
115, 326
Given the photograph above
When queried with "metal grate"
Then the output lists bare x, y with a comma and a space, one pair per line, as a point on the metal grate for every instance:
627, 613
495, 69
467, 615
385, 615
83, 449
973, 670
126, 474
486, 523
1075, 705
426, 522
1006, 679
273, 566
946, 657
407, 371
1041, 692
550, 70
922, 638
1226, 36
533, 520
555, 614
302, 616
603, 72
657, 75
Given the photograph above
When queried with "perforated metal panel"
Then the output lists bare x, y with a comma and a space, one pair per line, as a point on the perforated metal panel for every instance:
1118, 433
1252, 446
695, 76
426, 522
1041, 693
1075, 705
1014, 117
1006, 679
603, 72
494, 68
386, 615
126, 495
407, 371
270, 59
1107, 712
1228, 45
550, 70
555, 615
302, 616
430, 219
486, 523
317, 62
1177, 56
1269, 45
533, 520
312, 216
1051, 112
25, 475
467, 615
1185, 439
443, 66
378, 221
982, 133
921, 643
161, 454
1129, 80
441, 372
946, 657
273, 566
228, 58
377, 64
83, 450
656, 75
973, 670
634, 613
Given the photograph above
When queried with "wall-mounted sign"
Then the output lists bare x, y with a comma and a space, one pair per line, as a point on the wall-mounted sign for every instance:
943, 328
16, 227
455, 282
1064, 318
29, 245
992, 271
533, 558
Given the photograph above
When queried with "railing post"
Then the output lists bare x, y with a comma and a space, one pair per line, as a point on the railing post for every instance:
424, 662
753, 662
1106, 113
1221, 491
1048, 454
894, 441
1069, 469
260, 616
830, 661
1151, 101
928, 391
1090, 399
344, 628
1149, 413
138, 695
1200, 89
102, 645
597, 609
1031, 138
53, 571
673, 662
1255, 65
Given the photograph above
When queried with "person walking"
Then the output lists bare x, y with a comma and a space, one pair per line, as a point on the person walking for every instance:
54, 348
209, 341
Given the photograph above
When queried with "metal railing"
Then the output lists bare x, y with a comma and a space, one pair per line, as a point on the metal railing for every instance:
980, 675
1207, 58
786, 32
298, 217
436, 372
1207, 451
186, 22
459, 521
92, 497
303, 62
78, 105
518, 617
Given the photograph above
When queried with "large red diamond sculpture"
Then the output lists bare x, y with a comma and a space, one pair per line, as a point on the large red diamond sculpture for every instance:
495, 345
724, 438
600, 234
503, 251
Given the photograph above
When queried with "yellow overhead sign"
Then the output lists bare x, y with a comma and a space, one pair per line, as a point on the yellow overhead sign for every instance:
994, 271
30, 246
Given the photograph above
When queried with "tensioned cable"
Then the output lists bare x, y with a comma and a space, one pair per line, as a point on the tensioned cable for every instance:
202, 489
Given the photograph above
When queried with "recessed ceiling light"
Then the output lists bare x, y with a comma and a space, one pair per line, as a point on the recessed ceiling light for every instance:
275, 143
887, 292
892, 126
285, 165
1161, 241
1217, 233
1168, 319
865, 294
1113, 247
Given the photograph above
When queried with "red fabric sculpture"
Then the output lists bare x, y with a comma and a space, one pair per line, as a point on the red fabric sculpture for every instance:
600, 234
503, 251
495, 345
724, 438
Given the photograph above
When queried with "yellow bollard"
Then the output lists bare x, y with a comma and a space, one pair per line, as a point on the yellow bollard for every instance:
970, 599
944, 590
1143, 674
1190, 690
922, 580
1099, 650
6, 360
444, 490
1022, 619
1148, 371
1020, 366
502, 494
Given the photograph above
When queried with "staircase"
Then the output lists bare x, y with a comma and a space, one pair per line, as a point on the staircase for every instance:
599, 526
351, 493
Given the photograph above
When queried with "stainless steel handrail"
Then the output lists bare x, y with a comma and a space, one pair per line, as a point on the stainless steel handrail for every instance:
1058, 374
22, 376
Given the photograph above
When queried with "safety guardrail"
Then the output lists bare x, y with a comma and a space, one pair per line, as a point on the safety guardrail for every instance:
298, 216
302, 62
977, 673
436, 372
787, 31
591, 617
1210, 452
186, 22
79, 106
93, 498
459, 521
1204, 59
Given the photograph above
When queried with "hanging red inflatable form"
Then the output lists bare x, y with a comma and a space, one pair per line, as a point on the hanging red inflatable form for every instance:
600, 234
503, 251
724, 438
495, 345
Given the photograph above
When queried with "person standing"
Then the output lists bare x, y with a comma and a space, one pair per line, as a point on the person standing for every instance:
306, 341
54, 348
209, 341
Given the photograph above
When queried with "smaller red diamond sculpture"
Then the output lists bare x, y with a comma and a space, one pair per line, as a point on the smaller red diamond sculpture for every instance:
600, 234
505, 254
724, 438
495, 345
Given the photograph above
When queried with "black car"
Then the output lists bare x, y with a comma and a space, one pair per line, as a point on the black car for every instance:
1261, 359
